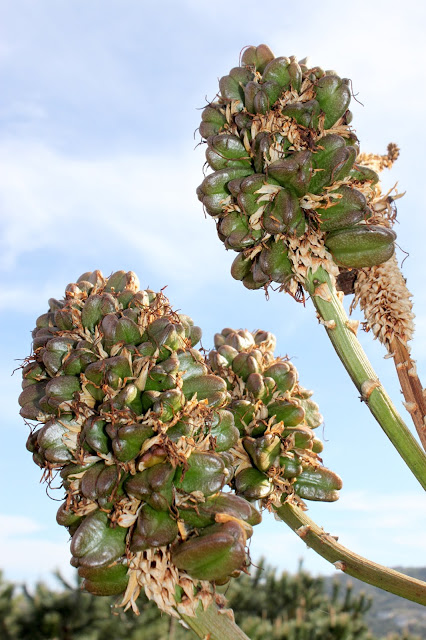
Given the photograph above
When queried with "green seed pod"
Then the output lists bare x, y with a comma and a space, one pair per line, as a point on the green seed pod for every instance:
223, 503
77, 361
332, 161
302, 436
104, 581
241, 267
345, 212
206, 473
128, 440
277, 71
263, 451
305, 113
224, 431
253, 484
361, 246
318, 484
273, 260
154, 486
232, 86
334, 96
291, 413
283, 374
96, 543
67, 518
59, 391
214, 554
212, 120
291, 466
51, 439
153, 529
207, 387
293, 172
226, 151
257, 57
258, 98
284, 214
243, 412
364, 174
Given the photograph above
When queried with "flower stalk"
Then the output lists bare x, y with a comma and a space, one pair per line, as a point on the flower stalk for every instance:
348, 561
214, 624
412, 388
332, 314
383, 296
339, 329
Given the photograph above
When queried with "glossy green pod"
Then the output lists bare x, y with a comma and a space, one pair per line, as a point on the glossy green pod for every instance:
361, 246
318, 484
215, 554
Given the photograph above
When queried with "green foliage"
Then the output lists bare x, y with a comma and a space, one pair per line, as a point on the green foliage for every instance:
266, 605
297, 608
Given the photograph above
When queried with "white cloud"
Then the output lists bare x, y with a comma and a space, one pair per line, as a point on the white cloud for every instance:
11, 526
28, 551
146, 203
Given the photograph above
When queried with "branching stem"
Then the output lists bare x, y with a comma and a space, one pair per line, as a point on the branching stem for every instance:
214, 625
348, 561
343, 337
411, 387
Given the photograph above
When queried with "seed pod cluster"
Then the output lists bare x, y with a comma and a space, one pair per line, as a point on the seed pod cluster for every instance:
132, 421
277, 457
284, 162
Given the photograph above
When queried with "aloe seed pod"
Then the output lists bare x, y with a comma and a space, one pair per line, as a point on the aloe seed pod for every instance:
361, 246
212, 120
222, 503
285, 165
153, 529
360, 173
105, 581
318, 484
304, 113
128, 440
252, 484
263, 451
134, 421
95, 543
349, 208
226, 151
206, 473
275, 417
291, 466
216, 553
224, 431
334, 96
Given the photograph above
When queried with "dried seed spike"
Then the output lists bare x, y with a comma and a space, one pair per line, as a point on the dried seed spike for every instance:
385, 300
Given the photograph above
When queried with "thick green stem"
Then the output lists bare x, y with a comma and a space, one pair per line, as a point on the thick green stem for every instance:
343, 337
214, 625
347, 561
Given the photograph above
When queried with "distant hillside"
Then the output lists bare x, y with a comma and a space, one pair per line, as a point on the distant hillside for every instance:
388, 612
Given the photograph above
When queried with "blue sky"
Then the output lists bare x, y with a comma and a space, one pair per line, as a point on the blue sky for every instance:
98, 169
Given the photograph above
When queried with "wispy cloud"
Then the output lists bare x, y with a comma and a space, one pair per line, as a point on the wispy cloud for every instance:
146, 203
